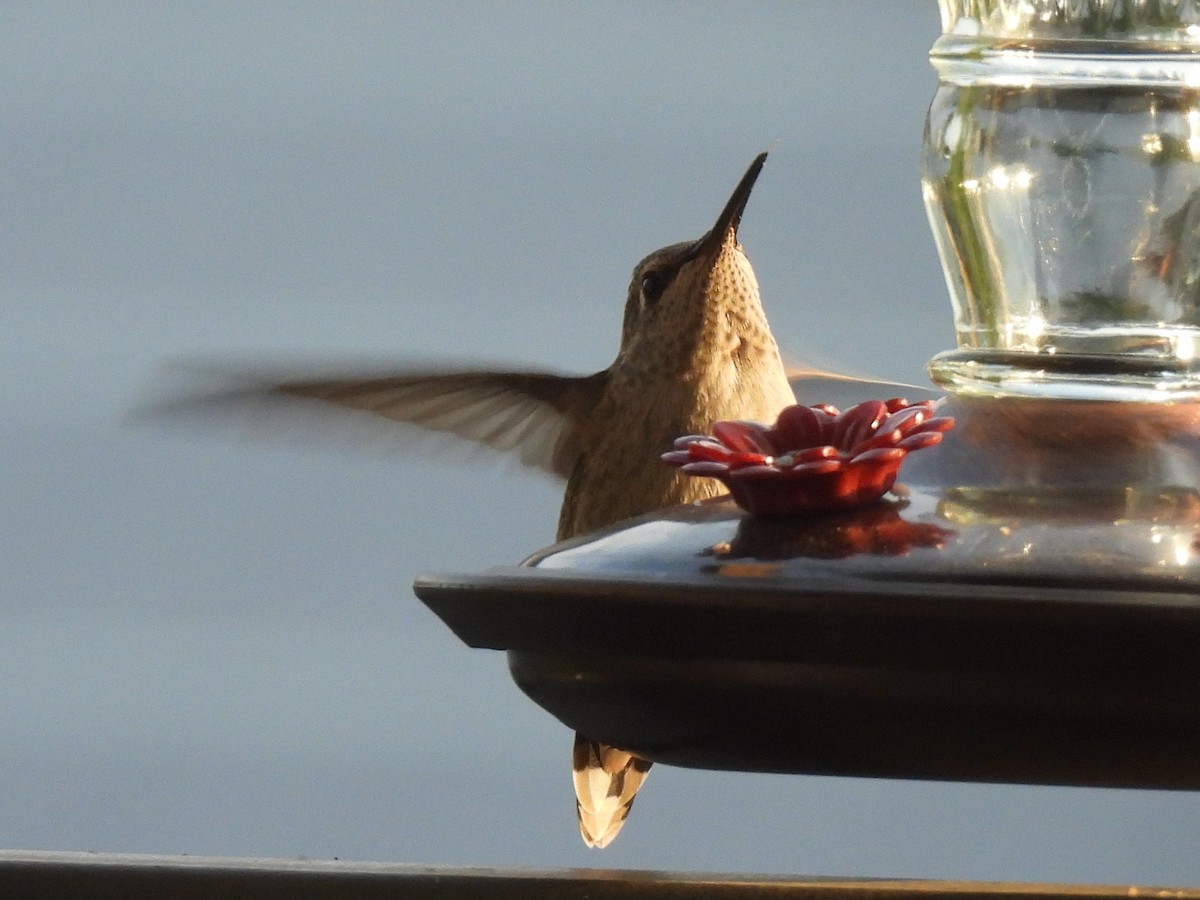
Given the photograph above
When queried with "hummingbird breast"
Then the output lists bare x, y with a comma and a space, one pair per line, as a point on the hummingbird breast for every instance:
618, 473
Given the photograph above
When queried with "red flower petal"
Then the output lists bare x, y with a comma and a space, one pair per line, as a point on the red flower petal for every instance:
879, 455
708, 450
741, 460
881, 439
859, 423
797, 427
681, 443
827, 416
815, 453
942, 423
818, 467
920, 441
906, 419
749, 437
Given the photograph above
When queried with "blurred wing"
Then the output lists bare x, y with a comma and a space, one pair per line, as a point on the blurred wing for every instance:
814, 385
524, 412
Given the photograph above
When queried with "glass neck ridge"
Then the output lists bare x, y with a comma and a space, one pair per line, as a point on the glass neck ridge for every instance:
1112, 20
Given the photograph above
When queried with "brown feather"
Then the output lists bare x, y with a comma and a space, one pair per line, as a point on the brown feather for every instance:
606, 783
531, 413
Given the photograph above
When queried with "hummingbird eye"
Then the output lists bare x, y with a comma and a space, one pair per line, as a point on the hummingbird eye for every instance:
653, 284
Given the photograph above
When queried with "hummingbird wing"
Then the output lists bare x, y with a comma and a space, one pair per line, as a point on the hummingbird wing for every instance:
815, 385
530, 413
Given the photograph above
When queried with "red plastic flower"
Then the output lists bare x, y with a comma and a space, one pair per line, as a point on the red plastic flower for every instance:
814, 457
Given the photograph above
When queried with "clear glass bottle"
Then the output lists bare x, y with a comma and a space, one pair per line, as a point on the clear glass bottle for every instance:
1062, 182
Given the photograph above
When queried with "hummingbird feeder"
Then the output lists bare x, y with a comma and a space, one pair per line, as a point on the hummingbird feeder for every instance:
1027, 609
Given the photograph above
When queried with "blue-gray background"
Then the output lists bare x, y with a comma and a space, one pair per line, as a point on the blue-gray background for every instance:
209, 644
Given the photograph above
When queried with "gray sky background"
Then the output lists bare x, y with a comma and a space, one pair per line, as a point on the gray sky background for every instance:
210, 645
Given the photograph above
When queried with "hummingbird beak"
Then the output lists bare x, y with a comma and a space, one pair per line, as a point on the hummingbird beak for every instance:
731, 216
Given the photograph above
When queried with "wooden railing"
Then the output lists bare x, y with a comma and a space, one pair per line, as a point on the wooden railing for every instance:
98, 875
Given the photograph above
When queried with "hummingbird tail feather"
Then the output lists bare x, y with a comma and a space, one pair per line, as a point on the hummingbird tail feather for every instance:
606, 783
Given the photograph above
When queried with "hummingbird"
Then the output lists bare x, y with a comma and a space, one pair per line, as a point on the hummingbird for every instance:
695, 347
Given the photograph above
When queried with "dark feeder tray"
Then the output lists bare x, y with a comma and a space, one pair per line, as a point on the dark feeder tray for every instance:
1026, 610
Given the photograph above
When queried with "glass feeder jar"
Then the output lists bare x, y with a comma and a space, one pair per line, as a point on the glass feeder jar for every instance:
1062, 181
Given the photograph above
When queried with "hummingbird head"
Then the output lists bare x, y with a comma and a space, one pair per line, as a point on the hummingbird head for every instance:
694, 297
